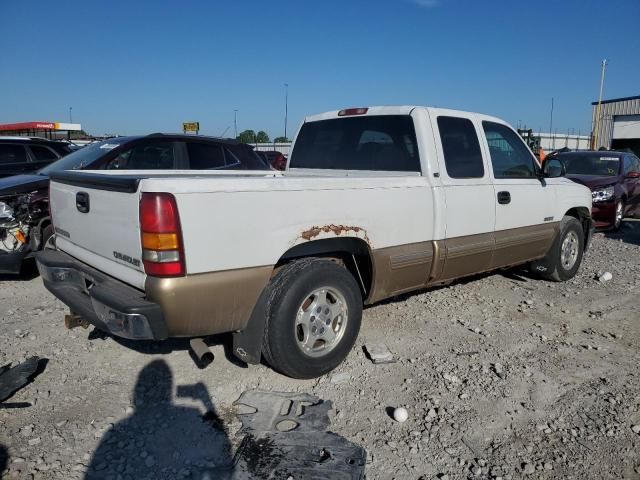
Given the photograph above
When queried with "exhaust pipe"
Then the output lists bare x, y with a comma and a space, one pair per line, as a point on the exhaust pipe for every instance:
200, 350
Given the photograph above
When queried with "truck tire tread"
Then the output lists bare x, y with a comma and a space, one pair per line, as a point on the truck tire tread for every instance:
286, 279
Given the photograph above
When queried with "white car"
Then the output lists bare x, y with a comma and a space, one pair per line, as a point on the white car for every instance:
374, 202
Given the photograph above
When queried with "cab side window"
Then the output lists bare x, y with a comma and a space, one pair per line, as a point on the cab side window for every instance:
460, 147
509, 155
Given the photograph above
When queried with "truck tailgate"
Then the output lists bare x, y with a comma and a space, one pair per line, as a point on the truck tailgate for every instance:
96, 218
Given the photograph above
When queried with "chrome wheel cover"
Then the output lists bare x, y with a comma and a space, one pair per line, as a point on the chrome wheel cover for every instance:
569, 250
321, 321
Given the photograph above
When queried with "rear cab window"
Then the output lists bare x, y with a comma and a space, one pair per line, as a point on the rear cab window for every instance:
367, 143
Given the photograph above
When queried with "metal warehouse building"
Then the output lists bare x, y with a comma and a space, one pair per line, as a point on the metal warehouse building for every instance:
619, 124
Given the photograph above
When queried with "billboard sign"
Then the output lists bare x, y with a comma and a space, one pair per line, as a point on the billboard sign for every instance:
191, 127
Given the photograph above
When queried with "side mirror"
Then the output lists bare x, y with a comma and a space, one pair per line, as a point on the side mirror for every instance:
633, 175
553, 168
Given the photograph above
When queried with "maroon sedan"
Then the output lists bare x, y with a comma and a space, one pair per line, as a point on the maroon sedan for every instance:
614, 180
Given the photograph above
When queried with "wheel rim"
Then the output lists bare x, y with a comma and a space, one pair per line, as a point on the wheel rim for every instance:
569, 252
618, 214
321, 321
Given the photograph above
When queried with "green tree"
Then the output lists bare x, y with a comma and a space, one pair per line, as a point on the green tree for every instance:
248, 136
262, 137
281, 140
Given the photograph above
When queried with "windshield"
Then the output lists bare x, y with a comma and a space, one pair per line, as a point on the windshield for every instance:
594, 164
83, 157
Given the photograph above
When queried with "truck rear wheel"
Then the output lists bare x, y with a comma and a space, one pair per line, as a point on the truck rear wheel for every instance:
565, 256
313, 317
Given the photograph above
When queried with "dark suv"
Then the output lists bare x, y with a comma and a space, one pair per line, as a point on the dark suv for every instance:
25, 225
28, 154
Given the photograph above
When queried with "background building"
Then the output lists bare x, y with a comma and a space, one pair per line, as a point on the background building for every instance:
52, 130
555, 141
619, 124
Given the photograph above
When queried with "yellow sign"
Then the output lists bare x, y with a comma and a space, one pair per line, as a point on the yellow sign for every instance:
191, 126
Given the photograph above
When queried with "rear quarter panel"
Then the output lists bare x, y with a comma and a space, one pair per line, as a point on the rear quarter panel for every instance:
238, 223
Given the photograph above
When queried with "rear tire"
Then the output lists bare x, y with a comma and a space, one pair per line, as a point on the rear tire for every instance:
565, 255
314, 310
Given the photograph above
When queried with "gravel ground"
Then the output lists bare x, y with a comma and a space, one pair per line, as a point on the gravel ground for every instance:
503, 376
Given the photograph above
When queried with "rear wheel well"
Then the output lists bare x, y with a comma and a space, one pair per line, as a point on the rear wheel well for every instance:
353, 253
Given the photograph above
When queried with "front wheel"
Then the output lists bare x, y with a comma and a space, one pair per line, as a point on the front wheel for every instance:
565, 256
313, 317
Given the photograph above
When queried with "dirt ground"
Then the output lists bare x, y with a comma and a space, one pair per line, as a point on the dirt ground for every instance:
503, 376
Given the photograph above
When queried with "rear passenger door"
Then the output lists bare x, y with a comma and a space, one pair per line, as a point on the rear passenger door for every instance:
525, 204
469, 196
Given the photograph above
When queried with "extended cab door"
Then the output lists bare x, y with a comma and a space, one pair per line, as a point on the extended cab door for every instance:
469, 195
525, 220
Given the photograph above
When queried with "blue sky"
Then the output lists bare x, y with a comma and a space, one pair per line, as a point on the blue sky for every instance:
142, 66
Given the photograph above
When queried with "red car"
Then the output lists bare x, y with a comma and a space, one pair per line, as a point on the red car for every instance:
614, 180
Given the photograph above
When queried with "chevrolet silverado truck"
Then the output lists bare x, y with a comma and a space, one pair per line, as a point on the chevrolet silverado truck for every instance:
374, 202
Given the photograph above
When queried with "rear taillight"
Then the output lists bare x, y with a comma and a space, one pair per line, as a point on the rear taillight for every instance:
161, 236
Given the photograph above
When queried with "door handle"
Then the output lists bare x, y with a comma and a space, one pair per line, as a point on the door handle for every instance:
82, 202
504, 198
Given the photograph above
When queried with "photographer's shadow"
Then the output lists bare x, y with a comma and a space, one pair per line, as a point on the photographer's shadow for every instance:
161, 439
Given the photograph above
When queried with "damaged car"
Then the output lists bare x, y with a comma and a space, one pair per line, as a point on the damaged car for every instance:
21, 227
25, 222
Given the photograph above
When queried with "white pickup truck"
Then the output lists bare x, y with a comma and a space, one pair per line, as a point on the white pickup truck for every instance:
374, 202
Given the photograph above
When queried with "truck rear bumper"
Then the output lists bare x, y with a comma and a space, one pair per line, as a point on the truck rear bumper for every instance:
107, 303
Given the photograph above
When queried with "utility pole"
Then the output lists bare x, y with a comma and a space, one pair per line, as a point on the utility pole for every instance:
70, 117
286, 107
597, 122
235, 122
551, 119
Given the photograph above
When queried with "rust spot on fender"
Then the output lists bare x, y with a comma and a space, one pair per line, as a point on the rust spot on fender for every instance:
337, 230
